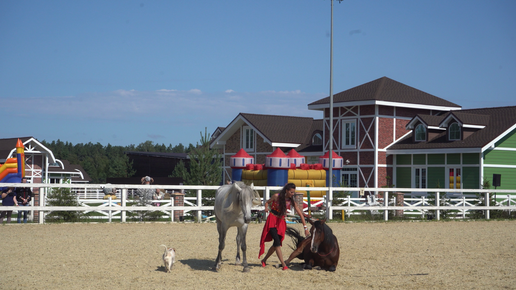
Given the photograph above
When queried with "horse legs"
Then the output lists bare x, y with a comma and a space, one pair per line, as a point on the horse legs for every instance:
300, 248
241, 243
309, 263
222, 243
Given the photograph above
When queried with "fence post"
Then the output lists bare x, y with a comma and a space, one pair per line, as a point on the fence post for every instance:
329, 198
179, 200
438, 204
487, 204
172, 207
399, 200
199, 204
109, 211
463, 206
423, 205
349, 206
266, 197
386, 203
123, 196
41, 213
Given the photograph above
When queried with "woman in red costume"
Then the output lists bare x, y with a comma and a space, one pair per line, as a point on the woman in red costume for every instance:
275, 226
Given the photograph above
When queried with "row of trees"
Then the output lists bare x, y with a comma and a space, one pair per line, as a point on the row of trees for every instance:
101, 162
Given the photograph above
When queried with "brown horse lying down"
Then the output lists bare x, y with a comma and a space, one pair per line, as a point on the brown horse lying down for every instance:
323, 250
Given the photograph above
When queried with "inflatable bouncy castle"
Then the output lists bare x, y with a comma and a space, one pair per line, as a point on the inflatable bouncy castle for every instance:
281, 168
13, 170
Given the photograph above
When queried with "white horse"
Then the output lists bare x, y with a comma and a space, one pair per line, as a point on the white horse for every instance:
233, 209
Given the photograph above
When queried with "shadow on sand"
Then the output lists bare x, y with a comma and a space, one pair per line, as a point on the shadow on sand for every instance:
208, 265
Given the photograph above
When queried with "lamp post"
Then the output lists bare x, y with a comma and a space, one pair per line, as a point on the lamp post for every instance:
329, 213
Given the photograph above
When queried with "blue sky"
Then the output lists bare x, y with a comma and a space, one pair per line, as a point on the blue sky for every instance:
123, 72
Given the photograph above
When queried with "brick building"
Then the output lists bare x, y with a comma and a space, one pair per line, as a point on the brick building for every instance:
373, 130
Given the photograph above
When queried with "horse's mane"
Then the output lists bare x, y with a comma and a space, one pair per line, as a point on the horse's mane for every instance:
243, 186
328, 233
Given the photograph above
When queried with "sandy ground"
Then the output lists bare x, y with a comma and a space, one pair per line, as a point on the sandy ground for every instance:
393, 255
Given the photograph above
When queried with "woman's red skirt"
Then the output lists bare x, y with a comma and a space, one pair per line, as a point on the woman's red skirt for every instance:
273, 221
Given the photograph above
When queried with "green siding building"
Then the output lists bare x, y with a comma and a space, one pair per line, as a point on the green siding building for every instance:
460, 149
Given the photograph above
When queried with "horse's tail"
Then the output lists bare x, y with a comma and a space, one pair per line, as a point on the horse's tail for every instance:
296, 239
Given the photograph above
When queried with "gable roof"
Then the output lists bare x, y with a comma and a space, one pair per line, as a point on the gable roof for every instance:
77, 173
385, 91
217, 132
495, 123
307, 147
466, 119
31, 144
430, 121
279, 131
8, 144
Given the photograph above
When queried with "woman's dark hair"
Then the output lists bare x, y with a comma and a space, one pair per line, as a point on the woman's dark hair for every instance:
281, 198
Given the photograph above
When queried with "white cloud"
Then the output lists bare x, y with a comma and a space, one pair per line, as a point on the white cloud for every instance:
195, 91
165, 90
229, 91
173, 107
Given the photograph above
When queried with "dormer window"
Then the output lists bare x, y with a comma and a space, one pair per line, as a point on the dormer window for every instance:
454, 131
317, 139
420, 133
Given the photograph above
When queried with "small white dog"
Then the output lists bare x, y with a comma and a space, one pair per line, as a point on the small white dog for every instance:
169, 257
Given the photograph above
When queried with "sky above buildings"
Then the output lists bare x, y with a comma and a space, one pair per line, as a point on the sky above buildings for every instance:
124, 72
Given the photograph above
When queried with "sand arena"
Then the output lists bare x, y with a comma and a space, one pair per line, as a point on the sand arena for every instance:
396, 255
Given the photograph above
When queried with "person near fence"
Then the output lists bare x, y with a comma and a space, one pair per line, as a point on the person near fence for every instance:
8, 199
146, 194
109, 191
158, 195
147, 180
275, 226
23, 196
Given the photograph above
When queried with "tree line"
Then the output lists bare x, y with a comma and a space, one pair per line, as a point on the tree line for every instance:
102, 162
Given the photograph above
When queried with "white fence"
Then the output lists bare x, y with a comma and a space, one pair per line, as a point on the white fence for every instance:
380, 201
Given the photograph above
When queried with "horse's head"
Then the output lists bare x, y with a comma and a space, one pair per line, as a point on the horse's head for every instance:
245, 199
318, 233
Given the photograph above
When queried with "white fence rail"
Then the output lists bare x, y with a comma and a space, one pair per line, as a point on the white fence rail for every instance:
454, 203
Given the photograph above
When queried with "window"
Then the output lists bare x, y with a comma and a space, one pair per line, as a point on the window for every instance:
312, 159
248, 138
454, 131
317, 139
420, 178
348, 134
454, 178
420, 134
350, 179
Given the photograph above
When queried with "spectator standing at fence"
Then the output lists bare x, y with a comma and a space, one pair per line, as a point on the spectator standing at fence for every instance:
147, 180
23, 196
146, 194
8, 199
158, 195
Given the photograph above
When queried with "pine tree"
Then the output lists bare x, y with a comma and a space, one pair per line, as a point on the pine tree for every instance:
205, 165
